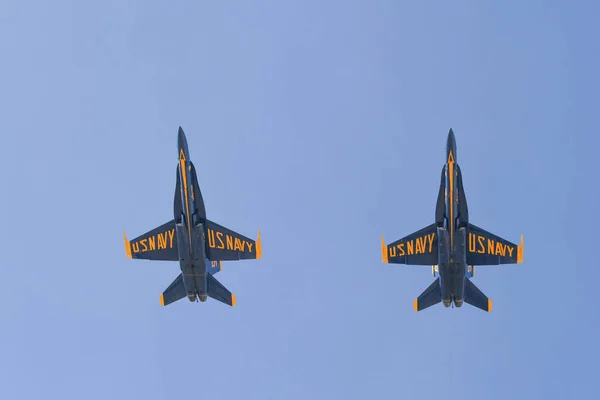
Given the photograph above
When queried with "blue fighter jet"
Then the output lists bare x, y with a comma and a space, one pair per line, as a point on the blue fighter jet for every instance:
199, 244
452, 245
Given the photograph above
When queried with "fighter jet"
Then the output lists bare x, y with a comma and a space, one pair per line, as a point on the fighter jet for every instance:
199, 244
452, 245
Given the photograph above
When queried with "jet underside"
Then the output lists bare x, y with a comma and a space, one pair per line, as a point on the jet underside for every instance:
198, 244
452, 245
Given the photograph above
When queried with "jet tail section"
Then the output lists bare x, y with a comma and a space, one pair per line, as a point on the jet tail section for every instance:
431, 296
476, 298
176, 291
219, 292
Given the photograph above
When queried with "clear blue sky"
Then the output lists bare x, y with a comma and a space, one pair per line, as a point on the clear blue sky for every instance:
323, 124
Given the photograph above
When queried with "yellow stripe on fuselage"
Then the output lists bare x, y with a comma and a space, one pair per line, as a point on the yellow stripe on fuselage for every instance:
185, 191
451, 196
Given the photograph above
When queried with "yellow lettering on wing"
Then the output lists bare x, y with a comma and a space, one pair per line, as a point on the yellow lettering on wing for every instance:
481, 248
401, 248
510, 250
410, 247
419, 246
211, 238
500, 249
154, 242
223, 241
472, 243
490, 246
220, 239
493, 247
431, 236
171, 236
162, 241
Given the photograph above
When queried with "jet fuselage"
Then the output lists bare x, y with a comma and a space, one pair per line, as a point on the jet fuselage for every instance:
452, 266
189, 227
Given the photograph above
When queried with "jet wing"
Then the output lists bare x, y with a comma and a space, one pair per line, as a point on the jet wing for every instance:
485, 248
223, 244
158, 244
419, 248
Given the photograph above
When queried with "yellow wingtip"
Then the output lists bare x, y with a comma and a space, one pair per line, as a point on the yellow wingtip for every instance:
520, 251
232, 299
258, 247
384, 252
162, 300
127, 245
416, 305
489, 305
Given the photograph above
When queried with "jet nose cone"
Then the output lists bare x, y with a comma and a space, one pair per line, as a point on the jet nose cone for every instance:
182, 141
451, 146
181, 137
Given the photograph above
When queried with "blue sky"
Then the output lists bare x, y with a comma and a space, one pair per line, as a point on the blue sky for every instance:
323, 124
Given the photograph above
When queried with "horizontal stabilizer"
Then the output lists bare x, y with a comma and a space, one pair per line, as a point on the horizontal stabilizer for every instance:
431, 296
476, 298
219, 292
485, 248
419, 248
223, 244
158, 244
175, 291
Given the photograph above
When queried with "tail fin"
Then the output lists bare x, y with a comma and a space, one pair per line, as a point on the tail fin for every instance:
212, 267
175, 291
219, 292
476, 298
431, 296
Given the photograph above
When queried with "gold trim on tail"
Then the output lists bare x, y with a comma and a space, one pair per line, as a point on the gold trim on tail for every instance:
520, 251
127, 246
384, 253
258, 247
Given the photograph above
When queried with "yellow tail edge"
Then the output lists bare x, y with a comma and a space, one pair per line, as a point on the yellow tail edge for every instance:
127, 245
384, 253
520, 251
258, 247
